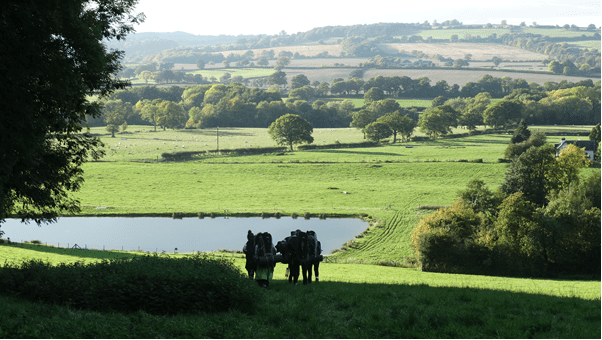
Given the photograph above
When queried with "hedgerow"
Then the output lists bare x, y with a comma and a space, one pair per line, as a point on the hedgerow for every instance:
159, 285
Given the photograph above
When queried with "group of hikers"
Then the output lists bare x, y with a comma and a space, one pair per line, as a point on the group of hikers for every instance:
299, 250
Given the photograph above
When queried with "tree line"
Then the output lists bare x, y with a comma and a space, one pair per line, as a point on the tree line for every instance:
204, 106
563, 106
235, 105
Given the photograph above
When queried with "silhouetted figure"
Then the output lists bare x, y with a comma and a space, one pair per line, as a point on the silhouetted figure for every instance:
249, 250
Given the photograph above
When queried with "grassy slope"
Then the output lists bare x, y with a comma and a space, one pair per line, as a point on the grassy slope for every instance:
351, 301
354, 299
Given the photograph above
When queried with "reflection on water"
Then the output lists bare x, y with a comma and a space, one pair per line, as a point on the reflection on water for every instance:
187, 234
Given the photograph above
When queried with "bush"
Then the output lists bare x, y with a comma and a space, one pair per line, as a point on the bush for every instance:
158, 285
440, 238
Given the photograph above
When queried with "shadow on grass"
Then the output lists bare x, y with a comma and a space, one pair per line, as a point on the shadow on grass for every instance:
423, 311
370, 153
88, 253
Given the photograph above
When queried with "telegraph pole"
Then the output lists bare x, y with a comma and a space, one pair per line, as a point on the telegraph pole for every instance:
217, 134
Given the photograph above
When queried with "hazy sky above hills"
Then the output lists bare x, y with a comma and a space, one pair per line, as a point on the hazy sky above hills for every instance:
234, 17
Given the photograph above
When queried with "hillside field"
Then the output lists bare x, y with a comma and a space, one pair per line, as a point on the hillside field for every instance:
367, 289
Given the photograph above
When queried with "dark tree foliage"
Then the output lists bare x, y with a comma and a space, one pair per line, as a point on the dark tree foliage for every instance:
527, 174
378, 131
53, 58
595, 133
521, 134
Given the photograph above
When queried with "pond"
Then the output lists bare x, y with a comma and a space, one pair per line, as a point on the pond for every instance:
187, 234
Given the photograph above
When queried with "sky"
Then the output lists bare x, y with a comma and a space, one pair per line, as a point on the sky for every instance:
251, 17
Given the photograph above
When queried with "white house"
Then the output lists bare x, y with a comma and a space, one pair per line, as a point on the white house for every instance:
590, 146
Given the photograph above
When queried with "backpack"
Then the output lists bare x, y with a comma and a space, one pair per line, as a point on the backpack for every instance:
313, 241
264, 249
304, 246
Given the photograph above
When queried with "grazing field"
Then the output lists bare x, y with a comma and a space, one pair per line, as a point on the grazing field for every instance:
140, 142
364, 289
590, 44
558, 32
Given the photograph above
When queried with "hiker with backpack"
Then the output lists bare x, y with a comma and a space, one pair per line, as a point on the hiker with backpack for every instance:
265, 259
249, 250
317, 254
293, 255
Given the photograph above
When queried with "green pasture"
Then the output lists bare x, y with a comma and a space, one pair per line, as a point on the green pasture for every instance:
590, 44
20, 252
141, 143
192, 187
556, 32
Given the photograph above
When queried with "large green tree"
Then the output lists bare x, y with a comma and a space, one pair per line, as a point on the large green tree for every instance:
537, 173
277, 78
377, 131
299, 80
291, 129
373, 94
438, 121
403, 125
171, 115
115, 113
503, 113
53, 60
361, 119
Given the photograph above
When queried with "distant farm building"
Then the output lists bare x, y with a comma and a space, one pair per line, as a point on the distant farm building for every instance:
590, 146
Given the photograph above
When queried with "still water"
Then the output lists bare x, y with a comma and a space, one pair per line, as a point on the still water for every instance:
187, 234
